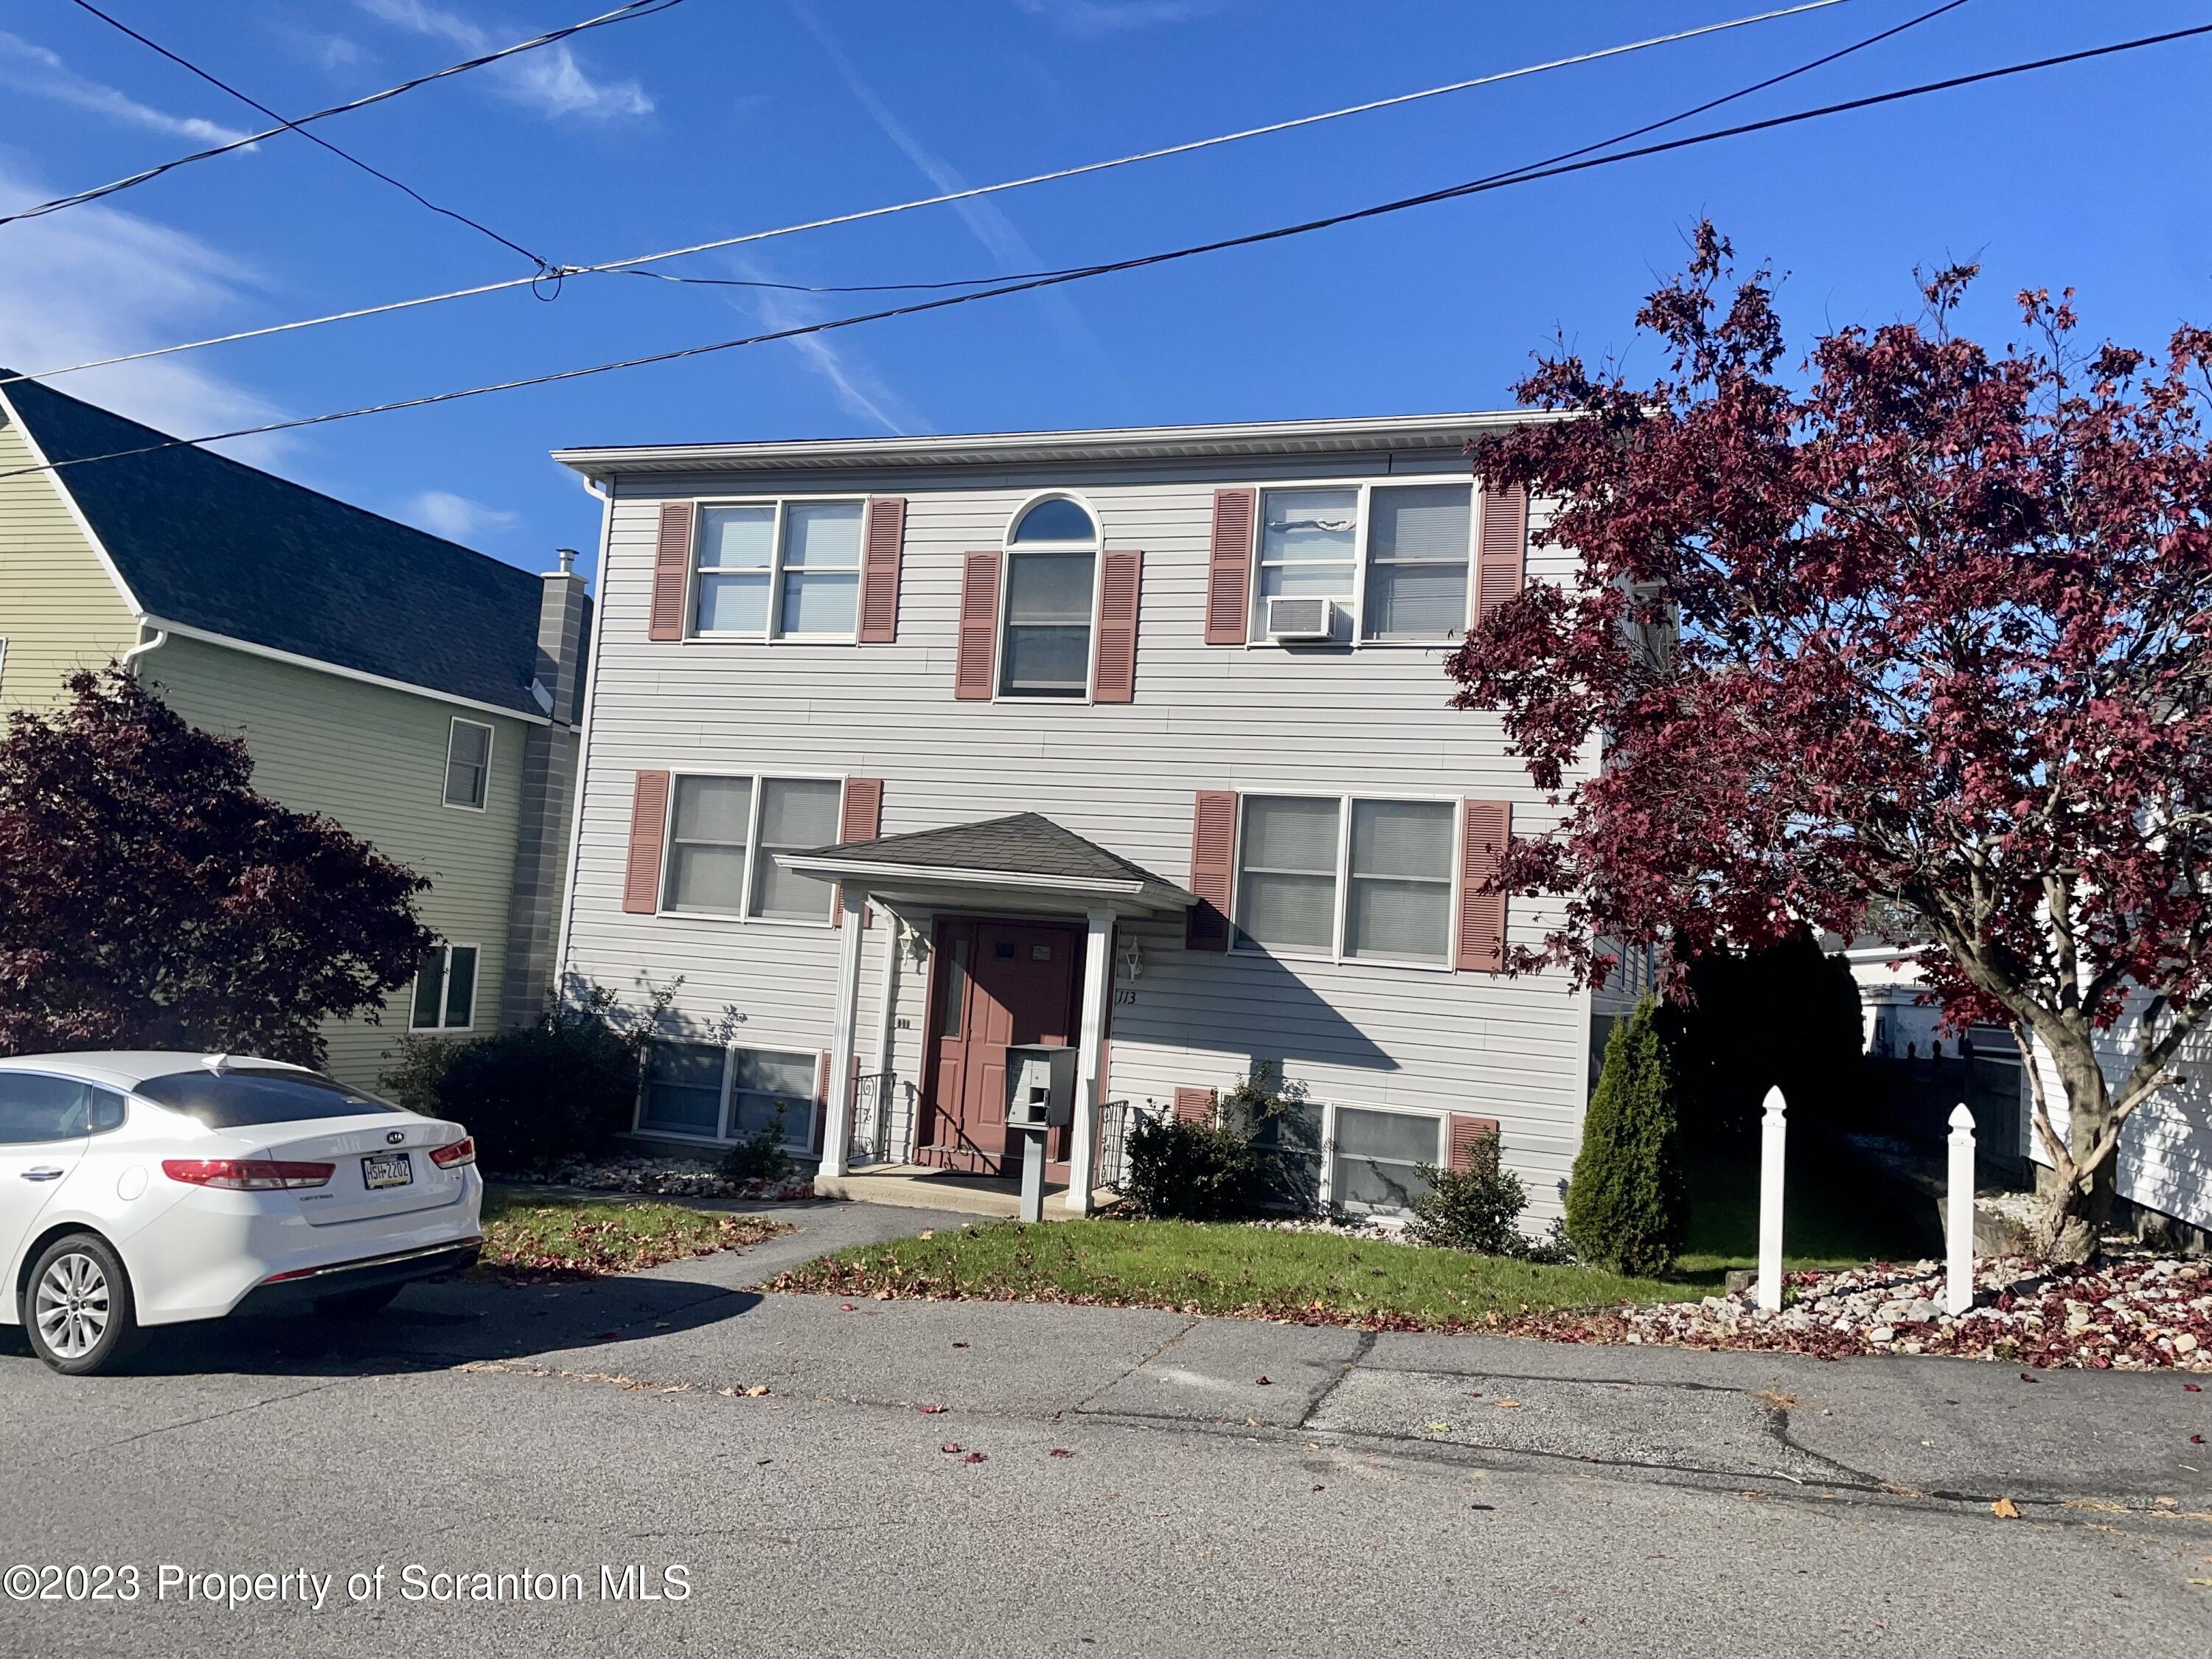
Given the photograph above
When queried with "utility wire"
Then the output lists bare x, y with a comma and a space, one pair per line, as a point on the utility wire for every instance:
636, 9
967, 194
1674, 119
1450, 192
117, 23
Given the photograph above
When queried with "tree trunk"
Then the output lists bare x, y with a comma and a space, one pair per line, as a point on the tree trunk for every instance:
2077, 1206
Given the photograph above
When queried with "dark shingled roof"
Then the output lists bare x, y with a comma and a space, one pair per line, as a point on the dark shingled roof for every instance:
215, 545
1027, 844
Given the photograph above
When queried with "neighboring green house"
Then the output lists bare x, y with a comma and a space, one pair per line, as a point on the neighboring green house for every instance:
422, 694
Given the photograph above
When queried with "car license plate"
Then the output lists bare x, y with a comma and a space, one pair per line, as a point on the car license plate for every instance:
387, 1170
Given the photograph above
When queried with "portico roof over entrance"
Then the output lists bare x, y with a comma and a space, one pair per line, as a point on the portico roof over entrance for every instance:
1025, 861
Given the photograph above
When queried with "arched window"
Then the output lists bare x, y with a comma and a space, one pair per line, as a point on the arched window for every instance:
1052, 578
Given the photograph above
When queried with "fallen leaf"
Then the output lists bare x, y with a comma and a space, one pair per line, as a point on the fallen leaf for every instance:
848, 1307
973, 1457
1508, 1405
932, 1411
756, 1391
2025, 1377
2196, 1439
1474, 1394
2005, 1509
929, 1232
2192, 1387
1435, 1428
950, 1446
1317, 1488
960, 1345
1061, 1451
1264, 1381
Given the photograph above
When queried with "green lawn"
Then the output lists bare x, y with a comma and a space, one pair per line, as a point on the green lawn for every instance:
1251, 1272
529, 1236
1835, 1214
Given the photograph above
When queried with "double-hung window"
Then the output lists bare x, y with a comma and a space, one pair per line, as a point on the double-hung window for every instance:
783, 570
1393, 558
1052, 578
468, 764
724, 833
1349, 1157
704, 1091
445, 990
1346, 876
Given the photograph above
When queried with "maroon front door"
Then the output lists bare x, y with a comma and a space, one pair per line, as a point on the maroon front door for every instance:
992, 983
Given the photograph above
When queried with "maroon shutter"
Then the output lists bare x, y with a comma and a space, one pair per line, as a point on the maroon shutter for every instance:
1193, 1105
860, 821
1462, 1134
1501, 548
1229, 567
1485, 831
672, 572
880, 550
1114, 677
1213, 863
648, 823
979, 627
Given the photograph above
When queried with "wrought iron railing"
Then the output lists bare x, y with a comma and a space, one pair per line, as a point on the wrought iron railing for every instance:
1116, 1119
883, 1120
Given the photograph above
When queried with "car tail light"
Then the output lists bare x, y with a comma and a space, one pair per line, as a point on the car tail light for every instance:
247, 1175
452, 1156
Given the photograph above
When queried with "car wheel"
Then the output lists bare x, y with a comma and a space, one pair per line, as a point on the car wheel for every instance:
76, 1306
357, 1305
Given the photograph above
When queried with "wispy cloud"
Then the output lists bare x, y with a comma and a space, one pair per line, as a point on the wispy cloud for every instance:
456, 517
326, 50
982, 217
551, 78
28, 67
1090, 19
858, 389
96, 280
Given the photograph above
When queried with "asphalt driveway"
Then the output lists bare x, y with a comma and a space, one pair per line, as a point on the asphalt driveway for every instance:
1124, 1480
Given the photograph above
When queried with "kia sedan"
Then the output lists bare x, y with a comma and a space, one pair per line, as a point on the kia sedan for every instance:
140, 1189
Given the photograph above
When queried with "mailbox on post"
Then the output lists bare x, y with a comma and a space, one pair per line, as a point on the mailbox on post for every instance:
1039, 1096
1040, 1086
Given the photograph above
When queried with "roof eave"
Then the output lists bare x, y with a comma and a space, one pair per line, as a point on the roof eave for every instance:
1225, 441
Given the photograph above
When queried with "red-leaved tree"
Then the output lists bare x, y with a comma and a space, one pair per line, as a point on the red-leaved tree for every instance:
1915, 641
150, 898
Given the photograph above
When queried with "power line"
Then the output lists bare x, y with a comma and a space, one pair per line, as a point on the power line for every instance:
625, 14
311, 137
1449, 194
1679, 117
969, 193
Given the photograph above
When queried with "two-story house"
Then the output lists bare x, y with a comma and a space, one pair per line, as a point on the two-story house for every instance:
422, 695
900, 750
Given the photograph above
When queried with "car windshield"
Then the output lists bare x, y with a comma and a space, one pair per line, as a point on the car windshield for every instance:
245, 1095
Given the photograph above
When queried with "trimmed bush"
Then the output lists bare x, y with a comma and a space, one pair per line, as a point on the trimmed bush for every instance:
1238, 1163
1627, 1206
563, 1088
1477, 1208
761, 1156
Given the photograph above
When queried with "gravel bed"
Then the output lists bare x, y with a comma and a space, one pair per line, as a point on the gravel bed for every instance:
2129, 1313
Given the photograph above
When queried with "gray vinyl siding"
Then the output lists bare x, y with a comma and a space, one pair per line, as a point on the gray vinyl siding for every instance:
1257, 720
60, 610
373, 759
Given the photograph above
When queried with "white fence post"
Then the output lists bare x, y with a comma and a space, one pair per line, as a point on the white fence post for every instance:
1959, 1243
1773, 1134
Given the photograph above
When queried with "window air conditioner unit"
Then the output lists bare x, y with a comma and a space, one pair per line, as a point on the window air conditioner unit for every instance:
1301, 618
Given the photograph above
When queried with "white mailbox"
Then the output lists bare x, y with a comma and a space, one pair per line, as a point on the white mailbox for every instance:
1040, 1086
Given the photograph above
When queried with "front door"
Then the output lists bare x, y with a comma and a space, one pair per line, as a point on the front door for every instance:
992, 983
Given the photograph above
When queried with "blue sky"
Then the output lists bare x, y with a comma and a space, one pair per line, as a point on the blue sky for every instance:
723, 116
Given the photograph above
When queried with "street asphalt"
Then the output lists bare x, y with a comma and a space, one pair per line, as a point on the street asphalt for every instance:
1124, 1481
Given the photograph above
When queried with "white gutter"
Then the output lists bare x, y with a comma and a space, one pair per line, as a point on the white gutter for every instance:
583, 729
186, 631
829, 869
143, 647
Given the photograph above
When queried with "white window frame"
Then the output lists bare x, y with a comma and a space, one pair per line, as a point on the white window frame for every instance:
770, 631
1336, 953
445, 782
1328, 1146
3, 655
1255, 636
446, 949
743, 915
1006, 558
722, 1137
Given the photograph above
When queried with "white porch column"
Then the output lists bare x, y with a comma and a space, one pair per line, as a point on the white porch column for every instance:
845, 1015
1097, 988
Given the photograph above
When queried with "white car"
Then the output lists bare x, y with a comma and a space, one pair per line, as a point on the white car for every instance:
139, 1189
